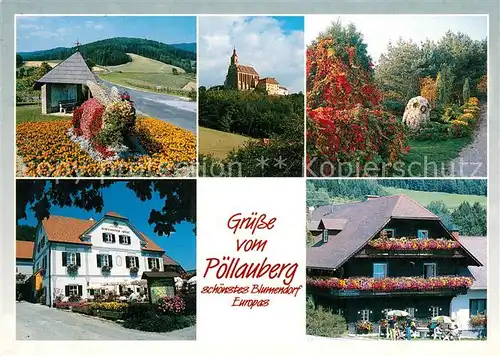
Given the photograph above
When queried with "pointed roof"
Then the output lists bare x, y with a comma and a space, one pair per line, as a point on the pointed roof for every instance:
73, 70
69, 230
361, 222
24, 250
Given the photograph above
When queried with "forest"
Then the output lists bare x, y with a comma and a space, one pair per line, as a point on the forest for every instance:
276, 124
250, 113
469, 218
113, 51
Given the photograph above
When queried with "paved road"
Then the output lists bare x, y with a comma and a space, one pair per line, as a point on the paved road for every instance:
168, 108
38, 322
472, 161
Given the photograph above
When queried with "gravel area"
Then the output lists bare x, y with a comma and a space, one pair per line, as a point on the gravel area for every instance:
39, 322
472, 161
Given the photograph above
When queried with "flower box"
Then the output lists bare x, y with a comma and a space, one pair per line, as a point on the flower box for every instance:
413, 244
109, 314
106, 269
134, 270
391, 284
72, 268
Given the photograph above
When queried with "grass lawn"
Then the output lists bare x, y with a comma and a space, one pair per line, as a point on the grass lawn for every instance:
452, 201
432, 154
146, 74
30, 113
142, 64
218, 143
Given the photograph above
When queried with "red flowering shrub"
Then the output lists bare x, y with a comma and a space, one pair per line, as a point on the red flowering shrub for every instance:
103, 150
91, 118
75, 122
171, 305
391, 284
345, 122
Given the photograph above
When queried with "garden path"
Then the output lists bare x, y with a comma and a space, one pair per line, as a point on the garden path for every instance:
39, 322
474, 156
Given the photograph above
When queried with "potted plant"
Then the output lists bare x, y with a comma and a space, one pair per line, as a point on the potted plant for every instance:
20, 276
155, 269
363, 327
72, 268
134, 270
106, 269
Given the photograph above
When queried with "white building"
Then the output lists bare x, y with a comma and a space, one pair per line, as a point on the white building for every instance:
107, 252
474, 302
24, 260
282, 91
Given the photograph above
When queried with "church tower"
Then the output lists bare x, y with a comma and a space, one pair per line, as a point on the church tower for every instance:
234, 57
231, 81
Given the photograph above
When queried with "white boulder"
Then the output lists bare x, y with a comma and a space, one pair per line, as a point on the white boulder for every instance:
418, 111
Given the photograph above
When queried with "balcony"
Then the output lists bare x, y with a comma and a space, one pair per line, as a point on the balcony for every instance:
411, 247
366, 286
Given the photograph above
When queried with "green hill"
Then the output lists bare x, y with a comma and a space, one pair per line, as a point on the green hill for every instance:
218, 143
452, 201
113, 52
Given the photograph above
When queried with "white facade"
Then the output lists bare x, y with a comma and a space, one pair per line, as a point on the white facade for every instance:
55, 257
460, 307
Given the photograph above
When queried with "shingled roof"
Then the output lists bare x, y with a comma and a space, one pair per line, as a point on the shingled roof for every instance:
73, 70
268, 80
478, 246
69, 230
24, 250
246, 69
363, 220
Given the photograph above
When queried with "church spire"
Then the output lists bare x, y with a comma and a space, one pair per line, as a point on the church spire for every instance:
234, 57
77, 45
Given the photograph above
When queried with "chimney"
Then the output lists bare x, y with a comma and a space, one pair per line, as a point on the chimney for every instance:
371, 197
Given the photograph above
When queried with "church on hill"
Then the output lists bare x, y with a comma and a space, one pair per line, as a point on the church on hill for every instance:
244, 77
64, 86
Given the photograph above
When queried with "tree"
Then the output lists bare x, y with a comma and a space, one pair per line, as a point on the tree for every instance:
25, 233
43, 69
40, 195
440, 209
445, 86
470, 219
19, 60
90, 63
466, 91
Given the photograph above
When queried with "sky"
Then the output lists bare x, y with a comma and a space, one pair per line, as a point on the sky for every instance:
274, 46
180, 245
46, 32
378, 30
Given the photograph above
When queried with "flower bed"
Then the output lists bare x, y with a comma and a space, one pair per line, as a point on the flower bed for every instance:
363, 327
48, 151
478, 321
68, 305
404, 243
391, 284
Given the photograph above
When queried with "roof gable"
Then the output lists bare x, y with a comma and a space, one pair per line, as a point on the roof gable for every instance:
363, 221
73, 70
246, 69
70, 230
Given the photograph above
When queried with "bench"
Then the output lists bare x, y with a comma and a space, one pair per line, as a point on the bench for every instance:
64, 105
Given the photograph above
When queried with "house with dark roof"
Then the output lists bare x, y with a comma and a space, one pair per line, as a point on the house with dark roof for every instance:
84, 257
385, 253
171, 265
65, 85
464, 306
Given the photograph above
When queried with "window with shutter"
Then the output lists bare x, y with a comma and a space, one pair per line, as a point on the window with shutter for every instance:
99, 260
64, 259
110, 260
78, 260
104, 260
108, 237
149, 263
66, 291
137, 262
127, 261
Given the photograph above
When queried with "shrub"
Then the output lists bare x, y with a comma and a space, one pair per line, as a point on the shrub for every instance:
164, 323
482, 85
171, 305
91, 119
394, 107
139, 311
429, 90
77, 116
363, 327
434, 131
119, 121
478, 321
74, 298
359, 136
451, 113
67, 305
190, 301
322, 322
